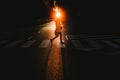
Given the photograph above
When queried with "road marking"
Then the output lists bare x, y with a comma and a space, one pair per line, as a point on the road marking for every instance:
80, 36
94, 43
3, 42
28, 44
29, 38
91, 36
39, 32
66, 37
77, 44
116, 40
44, 44
71, 36
62, 45
111, 43
12, 44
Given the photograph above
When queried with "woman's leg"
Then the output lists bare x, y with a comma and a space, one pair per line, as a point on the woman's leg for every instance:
54, 37
61, 37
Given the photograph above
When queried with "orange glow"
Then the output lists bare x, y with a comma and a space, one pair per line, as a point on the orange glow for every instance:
58, 13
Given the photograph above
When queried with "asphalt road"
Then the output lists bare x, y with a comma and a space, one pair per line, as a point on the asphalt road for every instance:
28, 54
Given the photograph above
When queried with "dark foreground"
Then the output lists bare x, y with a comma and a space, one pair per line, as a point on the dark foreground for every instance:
27, 54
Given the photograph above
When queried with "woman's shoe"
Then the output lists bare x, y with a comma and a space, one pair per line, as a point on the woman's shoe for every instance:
51, 40
62, 42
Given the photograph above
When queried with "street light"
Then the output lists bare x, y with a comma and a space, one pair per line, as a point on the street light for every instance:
58, 15
57, 12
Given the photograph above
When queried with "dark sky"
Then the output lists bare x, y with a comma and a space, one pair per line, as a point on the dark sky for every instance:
21, 10
25, 11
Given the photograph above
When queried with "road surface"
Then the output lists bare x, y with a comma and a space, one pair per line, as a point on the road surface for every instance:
28, 54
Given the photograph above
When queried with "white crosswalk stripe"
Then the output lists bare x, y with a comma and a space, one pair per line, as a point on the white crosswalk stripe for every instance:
63, 46
92, 36
71, 36
111, 44
12, 44
80, 46
27, 44
66, 37
94, 44
29, 37
44, 44
3, 42
116, 40
77, 44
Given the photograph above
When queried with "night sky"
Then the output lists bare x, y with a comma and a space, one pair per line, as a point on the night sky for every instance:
13, 11
22, 10
95, 13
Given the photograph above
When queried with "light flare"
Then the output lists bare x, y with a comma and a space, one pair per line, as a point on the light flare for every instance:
58, 15
57, 11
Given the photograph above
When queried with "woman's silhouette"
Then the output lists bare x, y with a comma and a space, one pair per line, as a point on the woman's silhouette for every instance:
58, 30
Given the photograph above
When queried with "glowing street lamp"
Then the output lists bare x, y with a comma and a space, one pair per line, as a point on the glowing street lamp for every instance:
57, 12
58, 15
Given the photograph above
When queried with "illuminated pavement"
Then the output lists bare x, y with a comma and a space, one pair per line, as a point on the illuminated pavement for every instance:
31, 56
54, 67
36, 58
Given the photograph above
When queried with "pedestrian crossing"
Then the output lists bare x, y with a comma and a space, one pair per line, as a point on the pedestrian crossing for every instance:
111, 44
79, 44
90, 43
94, 44
29, 44
3, 42
44, 44
92, 36
12, 44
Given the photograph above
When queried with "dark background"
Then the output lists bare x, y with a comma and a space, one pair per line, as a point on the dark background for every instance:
21, 11
87, 15
84, 16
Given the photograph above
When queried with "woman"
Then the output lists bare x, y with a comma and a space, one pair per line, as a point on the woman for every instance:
58, 30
